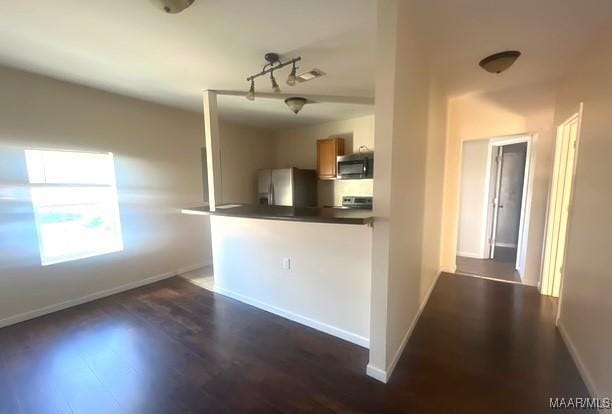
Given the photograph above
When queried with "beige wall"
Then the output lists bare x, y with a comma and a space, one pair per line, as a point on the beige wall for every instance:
586, 310
244, 150
158, 172
327, 285
528, 109
297, 147
410, 142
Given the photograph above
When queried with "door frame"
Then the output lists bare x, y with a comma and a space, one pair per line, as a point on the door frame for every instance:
578, 114
526, 197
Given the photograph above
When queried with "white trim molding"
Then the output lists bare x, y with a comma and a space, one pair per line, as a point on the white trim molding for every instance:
584, 373
471, 255
384, 375
377, 373
312, 323
21, 317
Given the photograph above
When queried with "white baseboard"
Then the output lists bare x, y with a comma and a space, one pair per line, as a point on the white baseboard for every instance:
320, 326
471, 255
187, 269
21, 317
384, 375
588, 381
376, 373
492, 279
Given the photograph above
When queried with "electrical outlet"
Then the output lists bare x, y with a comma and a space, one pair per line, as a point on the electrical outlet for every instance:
286, 263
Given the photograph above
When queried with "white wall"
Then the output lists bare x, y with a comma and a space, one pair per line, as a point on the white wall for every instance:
410, 125
328, 283
586, 304
158, 169
244, 150
297, 147
474, 186
524, 110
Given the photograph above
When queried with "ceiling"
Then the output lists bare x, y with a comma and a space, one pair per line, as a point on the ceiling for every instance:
549, 33
132, 48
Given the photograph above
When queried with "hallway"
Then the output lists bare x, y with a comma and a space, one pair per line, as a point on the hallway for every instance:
495, 269
479, 347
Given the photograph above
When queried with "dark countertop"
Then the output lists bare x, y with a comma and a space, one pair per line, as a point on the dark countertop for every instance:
307, 214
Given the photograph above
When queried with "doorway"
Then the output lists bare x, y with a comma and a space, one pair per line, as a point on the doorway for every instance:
493, 205
559, 201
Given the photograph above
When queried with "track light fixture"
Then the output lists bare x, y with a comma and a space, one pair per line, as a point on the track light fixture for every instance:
274, 63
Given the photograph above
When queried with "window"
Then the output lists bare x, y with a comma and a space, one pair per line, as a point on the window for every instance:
75, 204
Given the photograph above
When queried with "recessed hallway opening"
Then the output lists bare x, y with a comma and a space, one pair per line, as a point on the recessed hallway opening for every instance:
493, 202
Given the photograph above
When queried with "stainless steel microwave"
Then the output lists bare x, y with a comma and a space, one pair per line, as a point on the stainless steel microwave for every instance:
355, 166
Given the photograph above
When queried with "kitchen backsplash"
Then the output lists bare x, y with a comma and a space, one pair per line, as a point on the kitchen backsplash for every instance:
331, 192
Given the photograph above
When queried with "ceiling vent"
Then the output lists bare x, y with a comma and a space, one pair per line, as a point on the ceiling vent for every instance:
310, 75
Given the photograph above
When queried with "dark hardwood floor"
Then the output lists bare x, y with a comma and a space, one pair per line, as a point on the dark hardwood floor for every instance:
171, 347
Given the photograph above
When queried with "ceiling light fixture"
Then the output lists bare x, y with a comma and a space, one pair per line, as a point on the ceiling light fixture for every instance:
499, 62
274, 63
275, 86
291, 77
296, 103
172, 6
251, 95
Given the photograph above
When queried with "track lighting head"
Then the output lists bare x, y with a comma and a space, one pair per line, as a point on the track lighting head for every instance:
291, 77
251, 95
275, 86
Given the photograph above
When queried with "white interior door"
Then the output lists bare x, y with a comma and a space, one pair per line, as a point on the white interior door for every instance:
559, 206
496, 202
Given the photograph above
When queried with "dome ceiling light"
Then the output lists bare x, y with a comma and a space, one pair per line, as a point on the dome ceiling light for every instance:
296, 103
172, 6
499, 62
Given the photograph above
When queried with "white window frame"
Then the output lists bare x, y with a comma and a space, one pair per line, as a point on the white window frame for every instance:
111, 202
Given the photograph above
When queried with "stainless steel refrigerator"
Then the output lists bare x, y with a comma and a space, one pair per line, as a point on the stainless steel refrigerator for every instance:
287, 187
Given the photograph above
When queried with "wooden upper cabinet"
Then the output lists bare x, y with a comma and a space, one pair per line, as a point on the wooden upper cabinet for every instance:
327, 151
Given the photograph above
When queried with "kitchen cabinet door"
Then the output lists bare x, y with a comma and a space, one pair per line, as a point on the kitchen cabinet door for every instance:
327, 151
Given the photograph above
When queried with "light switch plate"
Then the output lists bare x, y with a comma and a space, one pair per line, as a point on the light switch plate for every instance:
286, 263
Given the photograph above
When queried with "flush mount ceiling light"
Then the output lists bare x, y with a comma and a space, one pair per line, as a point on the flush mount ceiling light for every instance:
274, 63
296, 103
172, 6
499, 62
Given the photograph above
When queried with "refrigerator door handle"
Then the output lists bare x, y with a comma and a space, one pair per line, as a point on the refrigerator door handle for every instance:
271, 194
